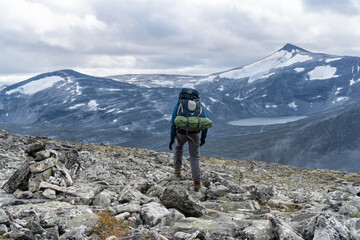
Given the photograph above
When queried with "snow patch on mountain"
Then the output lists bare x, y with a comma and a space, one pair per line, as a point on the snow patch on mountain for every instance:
299, 69
332, 59
36, 85
93, 105
77, 106
323, 72
261, 69
293, 105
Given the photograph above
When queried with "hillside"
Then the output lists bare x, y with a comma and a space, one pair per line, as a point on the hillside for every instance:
82, 191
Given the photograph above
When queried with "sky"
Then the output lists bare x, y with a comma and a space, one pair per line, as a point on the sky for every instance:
196, 37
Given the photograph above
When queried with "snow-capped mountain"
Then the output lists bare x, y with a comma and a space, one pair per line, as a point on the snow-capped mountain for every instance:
135, 110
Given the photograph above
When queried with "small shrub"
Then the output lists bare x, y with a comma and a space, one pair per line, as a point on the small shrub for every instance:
109, 226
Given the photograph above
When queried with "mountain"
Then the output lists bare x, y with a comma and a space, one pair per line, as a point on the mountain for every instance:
135, 109
332, 141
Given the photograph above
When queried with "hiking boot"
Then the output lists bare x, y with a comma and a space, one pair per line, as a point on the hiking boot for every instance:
177, 173
197, 185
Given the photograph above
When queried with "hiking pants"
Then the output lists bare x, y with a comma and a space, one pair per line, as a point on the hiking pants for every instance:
194, 150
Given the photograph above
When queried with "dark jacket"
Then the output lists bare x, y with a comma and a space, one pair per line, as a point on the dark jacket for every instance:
174, 128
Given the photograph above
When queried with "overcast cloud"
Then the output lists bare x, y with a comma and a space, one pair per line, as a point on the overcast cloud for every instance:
166, 36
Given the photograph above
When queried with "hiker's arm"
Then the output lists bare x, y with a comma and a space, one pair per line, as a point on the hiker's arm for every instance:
173, 126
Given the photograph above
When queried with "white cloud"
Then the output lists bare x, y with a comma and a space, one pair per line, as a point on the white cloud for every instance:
202, 36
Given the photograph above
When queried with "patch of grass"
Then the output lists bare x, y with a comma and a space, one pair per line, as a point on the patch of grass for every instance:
109, 226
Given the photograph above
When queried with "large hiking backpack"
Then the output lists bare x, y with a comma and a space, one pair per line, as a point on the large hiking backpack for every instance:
190, 114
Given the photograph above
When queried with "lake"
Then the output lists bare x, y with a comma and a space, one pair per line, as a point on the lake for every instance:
265, 121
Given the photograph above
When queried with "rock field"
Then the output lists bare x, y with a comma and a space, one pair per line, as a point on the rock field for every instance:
66, 190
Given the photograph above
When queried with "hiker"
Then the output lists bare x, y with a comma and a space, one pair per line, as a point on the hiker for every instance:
189, 107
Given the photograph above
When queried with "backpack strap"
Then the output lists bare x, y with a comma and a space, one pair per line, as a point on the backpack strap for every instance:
180, 106
200, 108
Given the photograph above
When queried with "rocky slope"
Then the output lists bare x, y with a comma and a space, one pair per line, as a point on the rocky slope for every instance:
67, 190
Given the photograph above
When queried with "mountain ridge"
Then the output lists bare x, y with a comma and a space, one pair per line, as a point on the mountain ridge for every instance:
134, 110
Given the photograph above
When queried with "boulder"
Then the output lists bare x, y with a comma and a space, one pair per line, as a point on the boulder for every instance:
179, 198
283, 230
216, 191
35, 147
258, 230
325, 226
129, 194
154, 213
219, 228
128, 207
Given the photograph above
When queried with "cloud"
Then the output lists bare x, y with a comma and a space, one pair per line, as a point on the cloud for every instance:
196, 37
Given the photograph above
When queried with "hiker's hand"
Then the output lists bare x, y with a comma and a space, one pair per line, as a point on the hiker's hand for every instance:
171, 143
202, 141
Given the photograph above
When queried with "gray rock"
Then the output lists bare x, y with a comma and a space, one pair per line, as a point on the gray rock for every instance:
36, 178
42, 165
283, 230
35, 227
49, 193
123, 216
186, 236
128, 207
39, 156
258, 230
338, 196
35, 147
23, 194
4, 218
129, 194
154, 213
262, 195
101, 200
3, 229
179, 198
220, 228
216, 191
354, 226
78, 233
325, 226
355, 202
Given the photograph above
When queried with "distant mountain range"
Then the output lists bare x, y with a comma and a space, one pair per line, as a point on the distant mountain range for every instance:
135, 109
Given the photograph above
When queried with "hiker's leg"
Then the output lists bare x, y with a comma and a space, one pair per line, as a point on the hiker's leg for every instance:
194, 149
180, 141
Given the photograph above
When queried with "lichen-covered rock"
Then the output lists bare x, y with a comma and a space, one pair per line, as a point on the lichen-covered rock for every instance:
36, 178
283, 230
4, 218
219, 228
325, 226
216, 191
42, 165
154, 213
128, 207
129, 194
179, 198
258, 230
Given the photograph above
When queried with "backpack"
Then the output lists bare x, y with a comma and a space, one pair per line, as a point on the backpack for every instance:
189, 113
